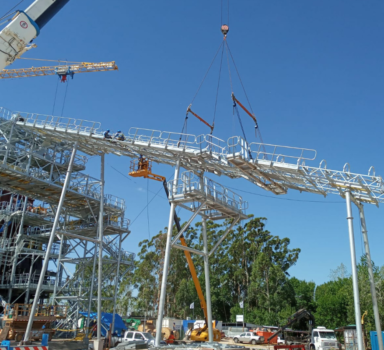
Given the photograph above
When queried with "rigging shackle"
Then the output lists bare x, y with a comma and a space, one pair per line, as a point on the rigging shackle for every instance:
224, 30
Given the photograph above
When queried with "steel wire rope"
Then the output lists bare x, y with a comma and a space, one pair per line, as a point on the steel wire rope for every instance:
8, 13
206, 73
149, 231
54, 99
65, 98
218, 86
245, 92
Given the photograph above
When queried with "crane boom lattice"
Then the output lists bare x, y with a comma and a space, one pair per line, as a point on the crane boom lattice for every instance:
82, 67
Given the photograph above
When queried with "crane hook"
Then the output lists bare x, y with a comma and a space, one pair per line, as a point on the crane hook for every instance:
225, 30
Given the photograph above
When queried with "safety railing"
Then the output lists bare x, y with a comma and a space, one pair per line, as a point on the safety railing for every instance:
22, 310
57, 123
189, 183
237, 146
212, 144
282, 154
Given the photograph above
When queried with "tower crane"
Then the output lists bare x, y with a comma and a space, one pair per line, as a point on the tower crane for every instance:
16, 37
62, 71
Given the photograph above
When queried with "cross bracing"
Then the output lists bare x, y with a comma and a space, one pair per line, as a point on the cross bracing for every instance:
54, 216
273, 168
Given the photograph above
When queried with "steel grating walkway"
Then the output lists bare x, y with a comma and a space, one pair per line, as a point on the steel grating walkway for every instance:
271, 167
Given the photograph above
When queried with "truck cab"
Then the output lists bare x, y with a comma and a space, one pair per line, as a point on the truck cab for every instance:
323, 339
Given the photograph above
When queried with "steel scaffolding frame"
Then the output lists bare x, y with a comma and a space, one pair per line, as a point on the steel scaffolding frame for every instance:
271, 167
68, 224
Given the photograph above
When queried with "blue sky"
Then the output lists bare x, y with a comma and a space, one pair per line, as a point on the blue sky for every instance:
313, 71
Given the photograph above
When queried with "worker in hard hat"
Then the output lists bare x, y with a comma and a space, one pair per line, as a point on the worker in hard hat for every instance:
107, 134
119, 136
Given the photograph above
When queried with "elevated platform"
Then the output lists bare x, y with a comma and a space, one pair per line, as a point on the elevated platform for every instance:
273, 168
218, 202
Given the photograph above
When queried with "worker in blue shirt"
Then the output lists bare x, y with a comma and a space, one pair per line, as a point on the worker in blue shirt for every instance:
107, 134
119, 136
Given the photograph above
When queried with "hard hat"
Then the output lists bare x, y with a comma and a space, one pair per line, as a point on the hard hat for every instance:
108, 130
118, 130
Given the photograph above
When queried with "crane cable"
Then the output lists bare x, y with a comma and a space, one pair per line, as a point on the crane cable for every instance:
197, 92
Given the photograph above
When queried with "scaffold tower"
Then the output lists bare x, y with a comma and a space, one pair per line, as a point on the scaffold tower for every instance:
56, 224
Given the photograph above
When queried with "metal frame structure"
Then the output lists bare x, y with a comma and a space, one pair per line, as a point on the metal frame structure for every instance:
205, 197
273, 168
53, 216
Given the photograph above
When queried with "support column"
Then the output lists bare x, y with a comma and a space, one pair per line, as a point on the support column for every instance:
90, 297
116, 284
207, 282
58, 275
356, 296
98, 345
17, 249
50, 243
371, 277
163, 291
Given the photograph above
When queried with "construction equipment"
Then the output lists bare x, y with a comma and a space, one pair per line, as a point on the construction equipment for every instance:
143, 168
24, 27
63, 71
297, 316
16, 317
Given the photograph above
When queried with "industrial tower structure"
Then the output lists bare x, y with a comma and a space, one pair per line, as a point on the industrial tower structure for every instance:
55, 224
274, 168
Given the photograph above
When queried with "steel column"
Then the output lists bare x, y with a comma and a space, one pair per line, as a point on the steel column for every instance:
50, 243
356, 296
90, 296
17, 249
371, 277
207, 282
116, 284
101, 229
58, 275
163, 291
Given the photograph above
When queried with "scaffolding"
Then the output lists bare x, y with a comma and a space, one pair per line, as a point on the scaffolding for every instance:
56, 225
274, 168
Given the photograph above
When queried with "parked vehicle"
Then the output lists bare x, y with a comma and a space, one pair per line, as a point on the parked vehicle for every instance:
140, 336
249, 337
323, 339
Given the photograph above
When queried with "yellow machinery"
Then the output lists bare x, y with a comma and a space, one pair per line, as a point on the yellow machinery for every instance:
143, 168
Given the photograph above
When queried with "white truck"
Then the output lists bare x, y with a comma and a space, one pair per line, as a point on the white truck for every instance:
323, 339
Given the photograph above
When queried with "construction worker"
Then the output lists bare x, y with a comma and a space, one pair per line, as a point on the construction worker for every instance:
119, 136
107, 134
171, 339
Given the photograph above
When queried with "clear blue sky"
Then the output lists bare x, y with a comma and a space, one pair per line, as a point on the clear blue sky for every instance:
313, 71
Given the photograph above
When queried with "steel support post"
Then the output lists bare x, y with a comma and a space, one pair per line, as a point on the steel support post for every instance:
58, 275
50, 243
17, 249
29, 279
99, 343
163, 291
90, 297
371, 277
356, 296
81, 289
116, 285
207, 282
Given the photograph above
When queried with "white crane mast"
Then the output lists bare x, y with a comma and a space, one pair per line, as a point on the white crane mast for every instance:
25, 26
